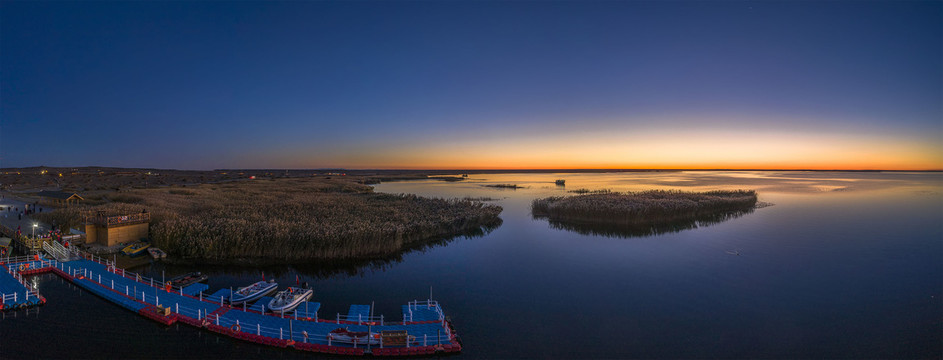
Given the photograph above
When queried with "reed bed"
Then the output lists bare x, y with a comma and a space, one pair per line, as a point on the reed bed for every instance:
295, 219
588, 191
505, 186
641, 208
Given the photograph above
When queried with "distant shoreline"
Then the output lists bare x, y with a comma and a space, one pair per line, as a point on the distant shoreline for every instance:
56, 169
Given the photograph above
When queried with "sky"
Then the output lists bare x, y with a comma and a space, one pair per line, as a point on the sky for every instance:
472, 84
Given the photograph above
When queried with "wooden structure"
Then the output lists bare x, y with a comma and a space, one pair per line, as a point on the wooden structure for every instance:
118, 229
59, 198
394, 337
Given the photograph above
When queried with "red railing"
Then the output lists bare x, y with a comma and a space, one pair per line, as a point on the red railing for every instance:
120, 219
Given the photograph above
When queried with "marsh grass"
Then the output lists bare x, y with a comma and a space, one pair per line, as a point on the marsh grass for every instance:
293, 219
588, 191
480, 198
642, 213
504, 186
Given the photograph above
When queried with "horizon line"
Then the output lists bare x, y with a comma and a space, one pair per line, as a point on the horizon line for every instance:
485, 169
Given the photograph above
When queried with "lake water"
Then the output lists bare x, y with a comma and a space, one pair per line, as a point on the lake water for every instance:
842, 265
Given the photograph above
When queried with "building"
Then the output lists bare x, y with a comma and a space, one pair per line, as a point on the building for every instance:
59, 198
112, 230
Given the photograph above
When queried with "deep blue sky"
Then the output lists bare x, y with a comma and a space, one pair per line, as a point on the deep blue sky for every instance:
203, 85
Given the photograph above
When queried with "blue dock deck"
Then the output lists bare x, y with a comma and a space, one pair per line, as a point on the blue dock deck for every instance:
219, 296
358, 312
421, 313
308, 310
195, 289
300, 329
261, 305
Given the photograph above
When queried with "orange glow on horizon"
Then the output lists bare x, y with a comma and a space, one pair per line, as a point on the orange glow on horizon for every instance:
783, 144
694, 152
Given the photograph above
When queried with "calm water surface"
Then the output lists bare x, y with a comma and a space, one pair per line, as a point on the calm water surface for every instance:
843, 265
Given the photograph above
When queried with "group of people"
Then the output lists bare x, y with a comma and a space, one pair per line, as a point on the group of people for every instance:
27, 210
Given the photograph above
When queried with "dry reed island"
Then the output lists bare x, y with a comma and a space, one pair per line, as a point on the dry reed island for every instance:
286, 219
642, 213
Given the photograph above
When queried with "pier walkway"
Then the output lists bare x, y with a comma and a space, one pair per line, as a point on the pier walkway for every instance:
423, 328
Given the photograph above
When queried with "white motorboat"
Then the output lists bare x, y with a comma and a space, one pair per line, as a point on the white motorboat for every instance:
253, 292
288, 299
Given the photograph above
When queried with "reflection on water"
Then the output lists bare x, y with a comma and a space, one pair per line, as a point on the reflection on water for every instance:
635, 229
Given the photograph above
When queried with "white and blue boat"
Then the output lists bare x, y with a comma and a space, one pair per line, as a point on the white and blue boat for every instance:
288, 299
253, 292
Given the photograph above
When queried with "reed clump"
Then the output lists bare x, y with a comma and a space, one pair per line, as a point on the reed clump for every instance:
505, 186
588, 191
296, 219
644, 208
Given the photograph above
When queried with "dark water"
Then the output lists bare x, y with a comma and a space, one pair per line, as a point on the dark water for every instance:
843, 265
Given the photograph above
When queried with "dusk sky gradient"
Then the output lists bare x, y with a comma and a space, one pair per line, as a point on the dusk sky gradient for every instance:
472, 85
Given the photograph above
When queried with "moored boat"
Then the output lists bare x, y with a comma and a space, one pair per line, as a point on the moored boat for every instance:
135, 249
188, 279
288, 299
347, 336
157, 253
253, 292
560, 182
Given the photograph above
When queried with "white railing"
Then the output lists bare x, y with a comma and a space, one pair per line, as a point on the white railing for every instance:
423, 304
15, 259
9, 298
56, 250
361, 320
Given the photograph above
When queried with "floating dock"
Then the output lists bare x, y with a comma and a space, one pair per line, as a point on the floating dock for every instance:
15, 294
423, 328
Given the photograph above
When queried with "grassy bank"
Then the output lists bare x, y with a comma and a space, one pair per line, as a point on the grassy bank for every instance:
291, 219
642, 213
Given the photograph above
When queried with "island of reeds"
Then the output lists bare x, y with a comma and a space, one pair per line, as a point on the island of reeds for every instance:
505, 186
633, 214
293, 219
